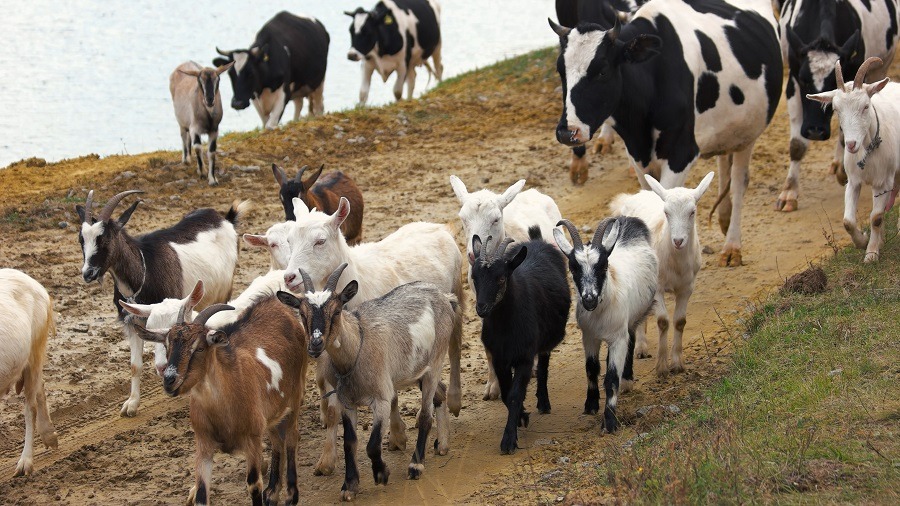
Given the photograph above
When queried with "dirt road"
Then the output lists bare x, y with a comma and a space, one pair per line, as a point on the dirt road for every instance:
490, 129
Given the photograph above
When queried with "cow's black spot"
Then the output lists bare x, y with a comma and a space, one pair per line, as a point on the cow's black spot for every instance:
868, 5
892, 31
789, 90
709, 52
755, 45
707, 92
716, 8
737, 96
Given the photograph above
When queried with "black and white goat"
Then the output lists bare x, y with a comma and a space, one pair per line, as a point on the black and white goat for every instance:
616, 278
158, 265
523, 299
385, 344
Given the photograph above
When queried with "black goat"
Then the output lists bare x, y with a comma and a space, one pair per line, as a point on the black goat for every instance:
523, 300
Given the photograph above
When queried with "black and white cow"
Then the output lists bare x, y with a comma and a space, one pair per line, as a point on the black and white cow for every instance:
285, 63
815, 34
711, 91
604, 13
396, 36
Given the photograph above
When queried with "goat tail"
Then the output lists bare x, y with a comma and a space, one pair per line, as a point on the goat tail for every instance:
534, 233
454, 394
238, 211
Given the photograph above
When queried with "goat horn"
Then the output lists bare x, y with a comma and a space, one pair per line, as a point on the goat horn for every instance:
501, 250
331, 284
307, 281
211, 310
864, 69
299, 175
484, 246
576, 237
110, 206
598, 234
181, 313
87, 206
839, 75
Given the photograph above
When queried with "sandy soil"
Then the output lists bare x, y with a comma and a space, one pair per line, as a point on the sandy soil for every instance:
490, 129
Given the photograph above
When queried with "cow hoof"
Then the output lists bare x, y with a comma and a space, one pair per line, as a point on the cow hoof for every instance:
786, 206
730, 258
578, 171
603, 147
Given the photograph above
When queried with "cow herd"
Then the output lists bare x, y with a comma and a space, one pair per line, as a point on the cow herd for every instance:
675, 79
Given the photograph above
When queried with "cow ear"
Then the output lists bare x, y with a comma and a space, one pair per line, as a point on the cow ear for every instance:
218, 62
125, 216
794, 43
641, 48
849, 47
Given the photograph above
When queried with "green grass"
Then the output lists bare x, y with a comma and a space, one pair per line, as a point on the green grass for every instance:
809, 411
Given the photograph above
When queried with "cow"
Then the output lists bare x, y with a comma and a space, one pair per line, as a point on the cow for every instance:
816, 34
604, 13
396, 36
711, 91
285, 63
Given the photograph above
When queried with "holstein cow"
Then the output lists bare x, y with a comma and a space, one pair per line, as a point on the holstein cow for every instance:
815, 34
604, 13
711, 92
285, 63
396, 36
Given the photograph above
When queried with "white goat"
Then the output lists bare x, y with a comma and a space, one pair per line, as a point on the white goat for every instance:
671, 217
870, 120
616, 278
486, 214
26, 322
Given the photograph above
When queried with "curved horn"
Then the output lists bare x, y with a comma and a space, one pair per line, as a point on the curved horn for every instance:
110, 206
501, 249
307, 281
576, 237
299, 175
484, 246
839, 76
211, 310
598, 234
88, 204
224, 53
331, 284
863, 69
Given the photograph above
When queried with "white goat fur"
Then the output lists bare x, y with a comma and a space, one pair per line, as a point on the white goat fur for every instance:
26, 322
500, 216
856, 110
671, 217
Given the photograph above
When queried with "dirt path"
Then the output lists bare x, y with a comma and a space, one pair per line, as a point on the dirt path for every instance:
402, 164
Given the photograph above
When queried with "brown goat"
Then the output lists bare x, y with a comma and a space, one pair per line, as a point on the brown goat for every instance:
324, 194
245, 379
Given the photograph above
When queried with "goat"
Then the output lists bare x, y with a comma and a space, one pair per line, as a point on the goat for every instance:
523, 299
869, 115
26, 322
670, 215
616, 278
402, 338
198, 109
165, 263
245, 379
499, 216
323, 194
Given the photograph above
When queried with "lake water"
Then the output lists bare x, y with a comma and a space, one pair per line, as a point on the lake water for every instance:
86, 76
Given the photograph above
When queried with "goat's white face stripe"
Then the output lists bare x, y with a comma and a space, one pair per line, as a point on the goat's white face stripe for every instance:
580, 51
587, 257
821, 65
422, 331
240, 60
90, 233
318, 299
274, 370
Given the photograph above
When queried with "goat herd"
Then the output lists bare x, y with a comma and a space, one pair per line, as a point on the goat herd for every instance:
378, 317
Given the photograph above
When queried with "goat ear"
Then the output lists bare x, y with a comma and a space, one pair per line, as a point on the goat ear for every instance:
258, 241
279, 174
459, 188
349, 291
875, 87
79, 209
195, 296
796, 45
655, 186
825, 97
703, 186
216, 338
561, 241
610, 236
288, 299
142, 310
518, 259
511, 193
312, 179
300, 208
476, 247
125, 216
341, 214
220, 69
154, 336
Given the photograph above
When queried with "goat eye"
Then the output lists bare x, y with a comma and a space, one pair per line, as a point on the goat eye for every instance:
320, 242
273, 245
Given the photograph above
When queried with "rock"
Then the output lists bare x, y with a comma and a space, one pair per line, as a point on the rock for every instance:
564, 460
127, 174
286, 159
708, 251
835, 372
246, 168
339, 128
62, 224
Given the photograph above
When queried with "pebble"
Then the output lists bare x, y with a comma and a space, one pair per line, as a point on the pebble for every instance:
286, 159
127, 174
246, 168
564, 460
62, 224
339, 128
835, 372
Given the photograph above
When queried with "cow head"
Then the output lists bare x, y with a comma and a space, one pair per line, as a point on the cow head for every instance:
371, 28
812, 70
247, 74
208, 82
590, 67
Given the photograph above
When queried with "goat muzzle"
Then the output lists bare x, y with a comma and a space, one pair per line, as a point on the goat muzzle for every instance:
315, 348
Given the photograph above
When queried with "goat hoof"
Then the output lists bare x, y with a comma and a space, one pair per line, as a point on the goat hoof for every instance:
381, 476
50, 440
416, 470
870, 257
399, 444
508, 445
524, 419
786, 206
130, 407
323, 469
626, 386
603, 147
24, 467
347, 496
676, 367
441, 449
611, 422
491, 391
543, 407
730, 258
643, 355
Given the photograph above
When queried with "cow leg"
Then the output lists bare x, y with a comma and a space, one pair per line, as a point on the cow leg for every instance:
197, 147
410, 82
398, 84
316, 101
367, 68
211, 160
298, 107
880, 197
438, 64
723, 162
837, 165
263, 115
787, 200
578, 169
281, 100
851, 199
605, 139
740, 179
130, 407
185, 146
